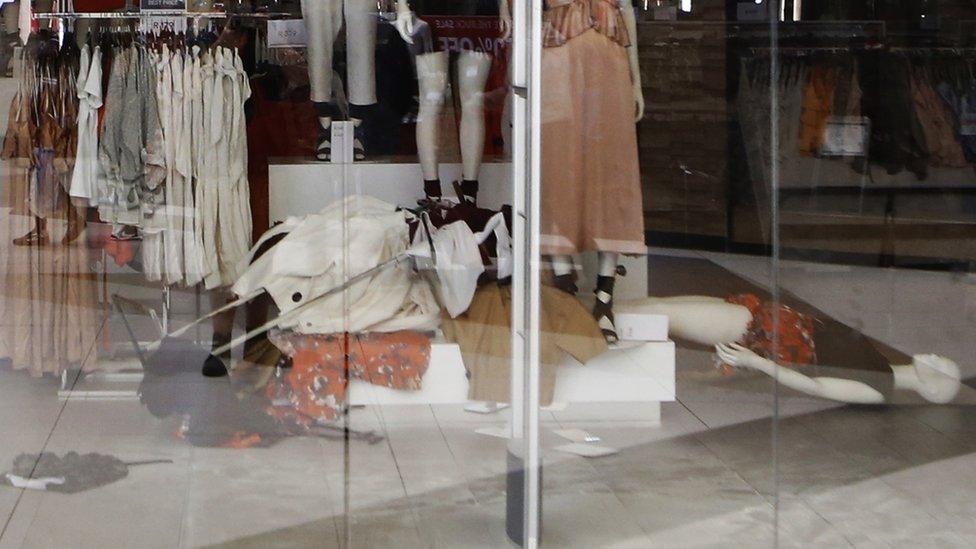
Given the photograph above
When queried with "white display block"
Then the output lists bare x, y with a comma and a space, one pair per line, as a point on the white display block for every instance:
642, 372
639, 372
303, 188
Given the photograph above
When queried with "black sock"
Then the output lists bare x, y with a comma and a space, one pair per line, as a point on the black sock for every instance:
326, 109
469, 190
432, 188
361, 112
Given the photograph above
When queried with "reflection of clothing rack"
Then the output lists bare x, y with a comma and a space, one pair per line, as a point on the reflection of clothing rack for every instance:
158, 13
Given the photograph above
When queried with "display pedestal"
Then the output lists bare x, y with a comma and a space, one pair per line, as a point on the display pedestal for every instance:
631, 372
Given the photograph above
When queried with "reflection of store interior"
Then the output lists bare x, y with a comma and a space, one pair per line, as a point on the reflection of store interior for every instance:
374, 411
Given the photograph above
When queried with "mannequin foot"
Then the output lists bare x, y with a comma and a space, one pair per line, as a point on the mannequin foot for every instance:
323, 145
566, 283
603, 308
37, 237
467, 191
359, 143
432, 190
75, 227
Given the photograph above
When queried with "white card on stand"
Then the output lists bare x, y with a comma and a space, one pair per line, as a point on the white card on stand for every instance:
342, 141
577, 435
498, 432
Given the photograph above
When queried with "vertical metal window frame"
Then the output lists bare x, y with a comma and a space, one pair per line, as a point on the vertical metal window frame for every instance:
526, 183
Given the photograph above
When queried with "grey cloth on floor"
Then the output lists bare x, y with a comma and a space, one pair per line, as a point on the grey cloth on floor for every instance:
80, 472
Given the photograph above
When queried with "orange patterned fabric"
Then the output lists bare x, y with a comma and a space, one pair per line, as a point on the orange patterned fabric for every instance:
314, 389
778, 332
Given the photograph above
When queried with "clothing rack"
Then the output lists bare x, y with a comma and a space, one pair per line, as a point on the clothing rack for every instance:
156, 13
68, 379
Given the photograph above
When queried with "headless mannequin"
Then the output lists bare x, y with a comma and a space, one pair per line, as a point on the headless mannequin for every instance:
432, 76
562, 265
323, 20
716, 323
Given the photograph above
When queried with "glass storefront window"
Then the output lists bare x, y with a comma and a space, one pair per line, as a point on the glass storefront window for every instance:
486, 273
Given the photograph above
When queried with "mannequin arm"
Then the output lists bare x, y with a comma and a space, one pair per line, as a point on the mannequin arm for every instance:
635, 77
842, 390
505, 19
404, 21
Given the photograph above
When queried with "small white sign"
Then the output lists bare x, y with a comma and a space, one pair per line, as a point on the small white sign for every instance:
342, 141
641, 326
846, 136
287, 33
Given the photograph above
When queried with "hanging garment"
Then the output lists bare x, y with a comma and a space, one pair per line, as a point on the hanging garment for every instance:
84, 180
818, 97
591, 189
50, 316
937, 125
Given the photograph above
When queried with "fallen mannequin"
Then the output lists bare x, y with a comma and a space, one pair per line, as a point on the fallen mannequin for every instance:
781, 342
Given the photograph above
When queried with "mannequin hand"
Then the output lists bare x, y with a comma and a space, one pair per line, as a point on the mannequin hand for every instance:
639, 101
505, 20
736, 355
404, 21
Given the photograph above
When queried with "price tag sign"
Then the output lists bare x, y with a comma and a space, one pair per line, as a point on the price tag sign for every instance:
162, 4
287, 33
846, 136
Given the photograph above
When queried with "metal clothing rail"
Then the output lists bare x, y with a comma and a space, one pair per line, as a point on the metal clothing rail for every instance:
156, 13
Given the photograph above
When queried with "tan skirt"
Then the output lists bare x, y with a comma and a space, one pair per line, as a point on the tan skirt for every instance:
484, 334
591, 193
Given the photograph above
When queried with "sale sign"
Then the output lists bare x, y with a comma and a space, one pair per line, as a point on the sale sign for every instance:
457, 33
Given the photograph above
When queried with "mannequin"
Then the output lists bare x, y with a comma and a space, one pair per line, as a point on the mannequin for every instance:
323, 20
717, 323
591, 184
432, 75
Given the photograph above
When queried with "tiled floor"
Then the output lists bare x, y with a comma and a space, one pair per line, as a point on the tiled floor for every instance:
711, 474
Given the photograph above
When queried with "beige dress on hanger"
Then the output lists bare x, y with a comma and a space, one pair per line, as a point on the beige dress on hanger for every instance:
50, 319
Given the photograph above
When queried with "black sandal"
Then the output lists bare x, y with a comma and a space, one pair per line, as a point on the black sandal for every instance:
34, 238
603, 308
358, 143
323, 145
566, 283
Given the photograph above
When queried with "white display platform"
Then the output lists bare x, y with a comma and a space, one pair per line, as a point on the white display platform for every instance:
300, 188
633, 372
305, 187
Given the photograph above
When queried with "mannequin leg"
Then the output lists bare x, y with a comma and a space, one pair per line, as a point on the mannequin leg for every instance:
473, 70
361, 71
321, 25
563, 276
432, 79
603, 306
699, 319
223, 324
361, 51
